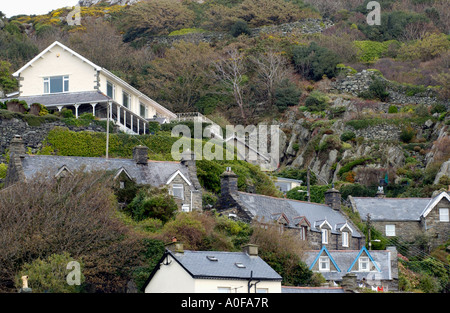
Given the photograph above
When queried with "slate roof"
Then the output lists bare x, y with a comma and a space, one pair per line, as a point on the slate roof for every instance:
344, 260
265, 208
199, 266
391, 209
290, 289
65, 98
155, 173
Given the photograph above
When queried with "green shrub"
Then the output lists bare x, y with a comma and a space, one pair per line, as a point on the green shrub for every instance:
299, 174
3, 170
348, 135
407, 134
152, 203
393, 109
314, 61
67, 113
240, 27
317, 193
350, 165
438, 108
370, 51
316, 101
49, 275
377, 90
287, 94
185, 31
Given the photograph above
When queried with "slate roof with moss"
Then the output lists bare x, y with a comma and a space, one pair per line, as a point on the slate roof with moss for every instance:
267, 209
155, 173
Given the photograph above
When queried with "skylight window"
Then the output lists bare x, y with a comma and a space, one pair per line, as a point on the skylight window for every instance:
239, 265
212, 258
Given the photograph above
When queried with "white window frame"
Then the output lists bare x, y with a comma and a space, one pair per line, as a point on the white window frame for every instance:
48, 87
121, 184
127, 96
185, 208
364, 260
303, 233
113, 96
324, 260
345, 240
325, 236
390, 230
224, 289
443, 215
178, 186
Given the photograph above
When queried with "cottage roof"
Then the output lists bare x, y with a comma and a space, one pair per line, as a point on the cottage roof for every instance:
263, 208
221, 264
346, 260
65, 98
391, 209
155, 173
291, 289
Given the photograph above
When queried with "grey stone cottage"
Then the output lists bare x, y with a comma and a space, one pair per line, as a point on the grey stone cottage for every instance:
319, 224
179, 177
407, 218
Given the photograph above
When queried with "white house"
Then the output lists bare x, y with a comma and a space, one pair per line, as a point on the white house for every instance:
184, 271
59, 77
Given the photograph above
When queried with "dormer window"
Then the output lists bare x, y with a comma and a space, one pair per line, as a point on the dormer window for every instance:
324, 264
325, 236
364, 264
56, 84
345, 239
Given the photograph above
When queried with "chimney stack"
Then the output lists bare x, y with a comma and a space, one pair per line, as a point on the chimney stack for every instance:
333, 198
250, 249
228, 182
175, 246
140, 155
380, 192
16, 145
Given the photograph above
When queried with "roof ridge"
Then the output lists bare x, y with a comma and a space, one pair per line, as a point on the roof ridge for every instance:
285, 199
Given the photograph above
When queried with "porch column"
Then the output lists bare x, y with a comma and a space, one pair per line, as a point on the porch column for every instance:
59, 107
76, 105
93, 108
131, 116
138, 122
118, 114
144, 128
125, 118
110, 110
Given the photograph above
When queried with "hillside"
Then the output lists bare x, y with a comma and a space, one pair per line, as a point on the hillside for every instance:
359, 106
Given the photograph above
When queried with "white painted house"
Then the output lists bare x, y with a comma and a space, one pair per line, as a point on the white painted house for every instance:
183, 271
59, 77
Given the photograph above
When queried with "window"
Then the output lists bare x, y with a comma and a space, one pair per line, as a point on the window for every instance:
303, 233
56, 84
443, 215
345, 239
324, 264
262, 290
186, 208
390, 230
122, 185
110, 90
126, 100
325, 236
224, 289
364, 264
177, 190
142, 110
239, 265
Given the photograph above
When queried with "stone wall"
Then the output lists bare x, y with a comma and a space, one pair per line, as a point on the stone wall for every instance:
32, 135
359, 82
306, 26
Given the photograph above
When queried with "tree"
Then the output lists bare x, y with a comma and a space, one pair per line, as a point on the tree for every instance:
183, 75
314, 61
231, 69
271, 68
426, 48
50, 274
152, 202
287, 94
7, 82
74, 214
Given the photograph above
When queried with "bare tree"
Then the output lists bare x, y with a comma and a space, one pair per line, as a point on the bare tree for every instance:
272, 68
230, 68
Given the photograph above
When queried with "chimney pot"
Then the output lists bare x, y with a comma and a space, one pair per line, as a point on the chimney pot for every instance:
175, 246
